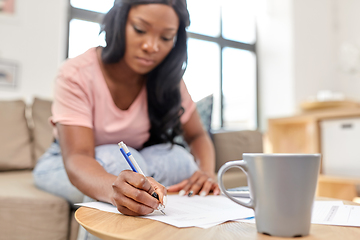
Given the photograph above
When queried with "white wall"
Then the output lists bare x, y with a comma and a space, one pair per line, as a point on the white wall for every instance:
314, 41
275, 49
348, 34
299, 52
34, 38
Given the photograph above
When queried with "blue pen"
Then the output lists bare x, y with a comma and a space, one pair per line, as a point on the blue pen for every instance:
136, 168
129, 158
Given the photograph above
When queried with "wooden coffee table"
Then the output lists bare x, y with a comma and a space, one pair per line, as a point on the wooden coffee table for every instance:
111, 226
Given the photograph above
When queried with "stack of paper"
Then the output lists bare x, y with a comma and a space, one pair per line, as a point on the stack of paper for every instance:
196, 211
205, 212
335, 213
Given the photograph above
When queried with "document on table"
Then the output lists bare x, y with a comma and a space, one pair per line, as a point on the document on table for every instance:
196, 211
336, 214
205, 212
321, 209
331, 213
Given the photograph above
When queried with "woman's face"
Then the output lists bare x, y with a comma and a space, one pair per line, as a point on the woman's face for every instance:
150, 34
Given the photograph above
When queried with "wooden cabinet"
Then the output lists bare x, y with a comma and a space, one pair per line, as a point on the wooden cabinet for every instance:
302, 134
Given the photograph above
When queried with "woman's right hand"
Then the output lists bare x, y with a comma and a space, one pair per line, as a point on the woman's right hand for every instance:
132, 194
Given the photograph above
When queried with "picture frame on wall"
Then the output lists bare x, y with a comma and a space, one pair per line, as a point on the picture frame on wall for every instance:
8, 74
7, 7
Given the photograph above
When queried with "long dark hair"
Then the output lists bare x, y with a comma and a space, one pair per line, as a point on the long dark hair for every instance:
163, 82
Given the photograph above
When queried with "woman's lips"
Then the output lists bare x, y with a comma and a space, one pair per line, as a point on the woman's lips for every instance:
145, 61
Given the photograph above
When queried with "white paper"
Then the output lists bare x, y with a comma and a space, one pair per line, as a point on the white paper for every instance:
320, 211
336, 214
206, 212
196, 211
106, 207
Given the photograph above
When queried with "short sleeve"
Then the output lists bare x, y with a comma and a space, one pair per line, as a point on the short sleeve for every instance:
186, 102
72, 103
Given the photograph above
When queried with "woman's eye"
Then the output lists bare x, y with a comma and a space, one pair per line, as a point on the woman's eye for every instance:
167, 39
138, 30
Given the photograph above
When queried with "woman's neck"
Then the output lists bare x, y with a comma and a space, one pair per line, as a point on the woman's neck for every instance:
123, 83
120, 73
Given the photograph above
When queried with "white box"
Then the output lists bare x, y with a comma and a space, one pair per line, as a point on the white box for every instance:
340, 147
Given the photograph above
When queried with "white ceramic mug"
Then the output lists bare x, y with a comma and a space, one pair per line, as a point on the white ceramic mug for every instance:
282, 189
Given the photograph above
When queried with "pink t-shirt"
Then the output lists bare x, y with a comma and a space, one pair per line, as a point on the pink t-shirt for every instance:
82, 98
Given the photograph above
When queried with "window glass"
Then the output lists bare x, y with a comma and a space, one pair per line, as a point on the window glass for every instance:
101, 6
238, 20
202, 76
82, 36
239, 89
204, 17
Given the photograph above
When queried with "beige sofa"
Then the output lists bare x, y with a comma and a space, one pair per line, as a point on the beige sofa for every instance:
29, 213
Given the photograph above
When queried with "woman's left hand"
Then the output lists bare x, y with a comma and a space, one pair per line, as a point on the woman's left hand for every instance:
199, 183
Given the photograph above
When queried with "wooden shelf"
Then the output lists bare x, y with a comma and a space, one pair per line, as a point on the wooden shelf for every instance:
317, 105
301, 134
338, 187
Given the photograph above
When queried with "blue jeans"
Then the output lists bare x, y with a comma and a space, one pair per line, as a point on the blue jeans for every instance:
165, 163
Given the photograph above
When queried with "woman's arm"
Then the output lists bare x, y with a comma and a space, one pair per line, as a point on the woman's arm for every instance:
201, 146
129, 191
84, 172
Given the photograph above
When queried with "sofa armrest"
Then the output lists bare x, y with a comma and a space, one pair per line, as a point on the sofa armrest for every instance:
230, 145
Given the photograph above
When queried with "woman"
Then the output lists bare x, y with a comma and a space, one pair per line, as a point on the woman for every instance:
132, 91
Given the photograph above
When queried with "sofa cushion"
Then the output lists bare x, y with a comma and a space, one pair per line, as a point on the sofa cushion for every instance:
15, 145
230, 145
204, 108
233, 179
42, 129
29, 213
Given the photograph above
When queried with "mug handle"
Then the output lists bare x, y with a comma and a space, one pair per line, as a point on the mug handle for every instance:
242, 166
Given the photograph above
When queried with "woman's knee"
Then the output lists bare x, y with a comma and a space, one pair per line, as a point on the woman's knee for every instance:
169, 164
163, 152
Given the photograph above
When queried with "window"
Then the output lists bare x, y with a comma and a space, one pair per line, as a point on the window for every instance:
82, 36
222, 57
221, 54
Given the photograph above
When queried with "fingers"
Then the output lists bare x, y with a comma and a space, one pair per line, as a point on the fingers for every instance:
127, 205
207, 187
216, 189
178, 187
159, 189
126, 211
200, 183
189, 183
131, 194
